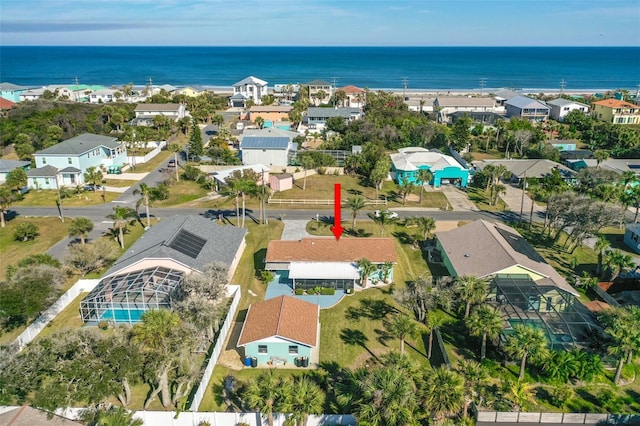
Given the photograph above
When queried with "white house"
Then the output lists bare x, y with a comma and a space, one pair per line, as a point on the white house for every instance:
316, 117
32, 94
250, 88
561, 107
446, 105
148, 111
271, 151
102, 96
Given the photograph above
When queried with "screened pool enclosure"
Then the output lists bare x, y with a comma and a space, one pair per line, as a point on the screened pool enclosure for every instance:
125, 297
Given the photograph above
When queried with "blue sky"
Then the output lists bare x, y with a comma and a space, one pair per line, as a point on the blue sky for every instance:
321, 22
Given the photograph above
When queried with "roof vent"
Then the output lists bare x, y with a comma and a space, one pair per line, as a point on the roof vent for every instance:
467, 255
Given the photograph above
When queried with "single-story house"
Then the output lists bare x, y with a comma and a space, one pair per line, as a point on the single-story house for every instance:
616, 165
526, 108
446, 105
325, 262
168, 88
445, 168
189, 91
147, 274
146, 112
485, 249
32, 94
280, 330
72, 157
530, 168
561, 107
12, 91
269, 150
281, 182
632, 237
419, 104
7, 166
269, 132
316, 117
220, 176
269, 112
103, 96
250, 88
577, 154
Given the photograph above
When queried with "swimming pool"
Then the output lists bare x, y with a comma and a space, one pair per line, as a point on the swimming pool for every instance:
123, 315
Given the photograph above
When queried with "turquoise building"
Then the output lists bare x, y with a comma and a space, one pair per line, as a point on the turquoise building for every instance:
12, 91
445, 168
281, 331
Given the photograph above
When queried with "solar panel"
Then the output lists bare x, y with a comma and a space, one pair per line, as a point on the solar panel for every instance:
187, 243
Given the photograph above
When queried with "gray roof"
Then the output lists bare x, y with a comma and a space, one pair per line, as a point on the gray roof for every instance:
506, 94
534, 168
269, 132
10, 87
265, 142
251, 80
8, 165
464, 101
45, 171
221, 243
157, 107
28, 416
70, 170
525, 102
318, 83
80, 144
332, 112
484, 248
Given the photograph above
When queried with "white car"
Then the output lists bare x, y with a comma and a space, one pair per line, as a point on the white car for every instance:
389, 214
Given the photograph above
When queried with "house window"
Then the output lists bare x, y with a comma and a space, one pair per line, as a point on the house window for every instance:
69, 160
46, 181
262, 349
44, 161
293, 350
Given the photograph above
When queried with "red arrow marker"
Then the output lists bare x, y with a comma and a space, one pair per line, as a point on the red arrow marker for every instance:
337, 228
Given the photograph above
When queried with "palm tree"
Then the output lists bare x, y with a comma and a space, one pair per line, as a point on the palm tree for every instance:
497, 191
93, 175
383, 219
306, 398
146, 194
401, 326
485, 321
526, 342
260, 122
307, 163
444, 393
175, 148
601, 246
433, 321
80, 227
355, 203
616, 261
385, 271
424, 177
621, 326
121, 216
471, 289
426, 225
218, 120
406, 188
474, 376
6, 198
600, 155
519, 393
266, 393
366, 269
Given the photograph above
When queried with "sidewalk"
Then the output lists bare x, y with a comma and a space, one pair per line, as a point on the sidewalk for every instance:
294, 229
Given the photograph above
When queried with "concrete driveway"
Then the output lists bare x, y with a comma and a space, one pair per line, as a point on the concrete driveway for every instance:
458, 199
514, 201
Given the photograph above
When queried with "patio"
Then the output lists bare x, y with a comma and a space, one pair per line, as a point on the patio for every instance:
277, 288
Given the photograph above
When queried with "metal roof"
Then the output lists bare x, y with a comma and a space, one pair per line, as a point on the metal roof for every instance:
80, 144
525, 102
332, 112
264, 142
324, 270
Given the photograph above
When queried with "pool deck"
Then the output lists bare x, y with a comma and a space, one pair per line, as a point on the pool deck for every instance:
275, 289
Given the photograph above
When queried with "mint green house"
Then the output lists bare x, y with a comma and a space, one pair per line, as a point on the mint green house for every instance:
444, 168
281, 331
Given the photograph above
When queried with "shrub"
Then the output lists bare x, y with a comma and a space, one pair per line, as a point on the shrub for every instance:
191, 173
266, 276
103, 325
311, 291
321, 170
26, 231
299, 291
328, 291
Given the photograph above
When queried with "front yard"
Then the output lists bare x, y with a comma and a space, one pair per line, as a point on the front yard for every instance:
48, 197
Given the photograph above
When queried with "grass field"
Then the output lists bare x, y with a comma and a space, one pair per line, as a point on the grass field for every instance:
48, 197
182, 192
156, 162
481, 199
120, 183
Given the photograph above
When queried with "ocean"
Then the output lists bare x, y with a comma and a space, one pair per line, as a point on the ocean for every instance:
423, 68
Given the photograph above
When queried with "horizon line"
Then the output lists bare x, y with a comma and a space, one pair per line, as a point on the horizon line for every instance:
325, 46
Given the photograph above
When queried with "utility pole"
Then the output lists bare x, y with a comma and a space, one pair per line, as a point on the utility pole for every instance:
332, 89
563, 84
405, 83
149, 86
483, 81
524, 190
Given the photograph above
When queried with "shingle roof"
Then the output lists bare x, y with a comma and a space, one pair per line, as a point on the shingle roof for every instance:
484, 248
8, 165
221, 245
560, 102
464, 101
525, 102
70, 170
157, 107
45, 171
377, 250
270, 108
615, 103
264, 142
28, 416
318, 83
285, 317
80, 144
10, 87
332, 112
251, 80
534, 168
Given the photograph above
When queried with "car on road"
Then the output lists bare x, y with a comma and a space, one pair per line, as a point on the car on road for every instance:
388, 213
172, 163
92, 187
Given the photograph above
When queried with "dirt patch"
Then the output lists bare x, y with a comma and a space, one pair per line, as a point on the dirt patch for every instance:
446, 225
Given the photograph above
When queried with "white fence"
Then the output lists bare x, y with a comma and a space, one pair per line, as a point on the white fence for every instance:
139, 160
217, 349
557, 418
311, 202
47, 316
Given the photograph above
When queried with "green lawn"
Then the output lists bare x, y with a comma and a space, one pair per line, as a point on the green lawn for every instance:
48, 197
182, 192
120, 183
615, 236
69, 318
157, 162
481, 200
51, 231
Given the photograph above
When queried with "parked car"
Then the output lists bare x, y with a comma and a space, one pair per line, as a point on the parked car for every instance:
172, 163
92, 187
389, 213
